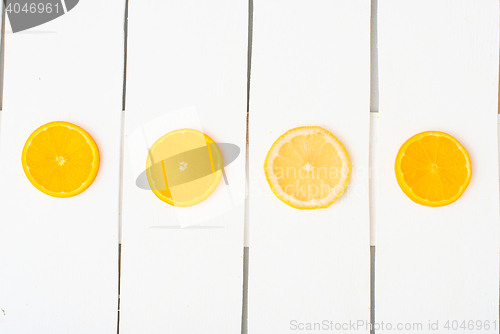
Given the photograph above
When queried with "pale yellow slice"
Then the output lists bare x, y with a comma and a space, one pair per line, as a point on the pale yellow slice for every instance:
184, 167
307, 168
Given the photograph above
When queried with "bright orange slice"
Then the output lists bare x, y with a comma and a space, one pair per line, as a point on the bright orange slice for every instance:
307, 168
60, 159
184, 167
433, 168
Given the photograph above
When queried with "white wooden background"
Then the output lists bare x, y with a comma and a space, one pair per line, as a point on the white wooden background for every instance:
306, 265
186, 65
438, 70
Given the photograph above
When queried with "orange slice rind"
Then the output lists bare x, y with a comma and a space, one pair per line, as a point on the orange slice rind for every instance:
60, 159
433, 168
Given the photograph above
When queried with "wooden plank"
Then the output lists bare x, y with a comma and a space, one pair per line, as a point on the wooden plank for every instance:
182, 267
310, 66
59, 256
438, 68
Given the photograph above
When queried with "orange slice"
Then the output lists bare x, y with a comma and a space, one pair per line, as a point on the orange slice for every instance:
307, 168
60, 159
433, 168
184, 167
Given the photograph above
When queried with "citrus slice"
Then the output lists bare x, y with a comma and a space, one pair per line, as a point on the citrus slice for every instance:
60, 159
307, 168
184, 167
433, 168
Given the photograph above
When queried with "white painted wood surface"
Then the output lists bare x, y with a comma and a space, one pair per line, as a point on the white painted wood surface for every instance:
438, 70
59, 269
182, 268
310, 66
374, 178
59, 257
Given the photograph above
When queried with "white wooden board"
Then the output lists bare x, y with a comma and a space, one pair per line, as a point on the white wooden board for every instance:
59, 257
182, 268
438, 70
310, 66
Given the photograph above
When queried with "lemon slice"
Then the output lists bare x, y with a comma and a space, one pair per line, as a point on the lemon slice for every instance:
184, 167
307, 168
433, 168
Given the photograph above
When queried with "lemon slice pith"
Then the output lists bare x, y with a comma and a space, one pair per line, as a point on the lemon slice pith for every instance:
60, 159
307, 168
433, 168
